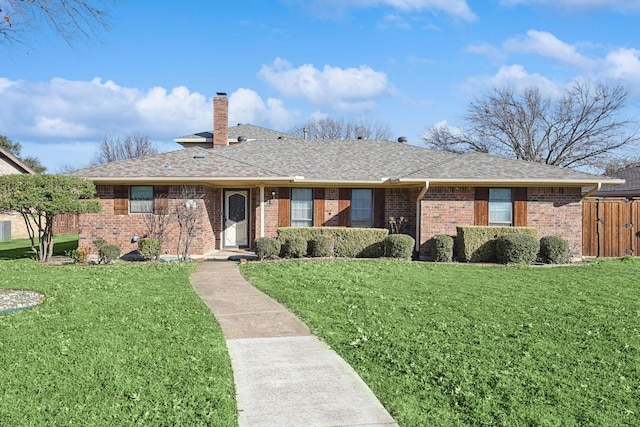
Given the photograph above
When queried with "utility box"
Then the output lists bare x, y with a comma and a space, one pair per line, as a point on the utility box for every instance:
5, 231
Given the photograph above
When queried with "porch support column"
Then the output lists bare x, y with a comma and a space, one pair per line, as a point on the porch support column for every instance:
423, 191
262, 211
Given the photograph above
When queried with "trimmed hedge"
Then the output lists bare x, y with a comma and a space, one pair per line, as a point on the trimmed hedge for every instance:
516, 248
348, 242
321, 246
441, 248
148, 248
266, 247
294, 247
399, 246
554, 250
478, 243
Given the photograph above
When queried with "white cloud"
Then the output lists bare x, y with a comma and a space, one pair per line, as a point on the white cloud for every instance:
458, 9
617, 5
344, 89
514, 76
546, 44
49, 117
246, 106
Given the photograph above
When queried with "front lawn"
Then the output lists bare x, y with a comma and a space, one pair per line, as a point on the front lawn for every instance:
126, 344
21, 248
444, 345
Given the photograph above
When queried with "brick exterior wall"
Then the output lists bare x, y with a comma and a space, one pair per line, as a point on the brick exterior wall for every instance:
553, 211
120, 229
557, 212
444, 208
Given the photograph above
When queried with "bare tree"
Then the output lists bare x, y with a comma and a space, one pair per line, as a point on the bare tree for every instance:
67, 17
122, 147
583, 127
157, 222
616, 165
339, 128
186, 214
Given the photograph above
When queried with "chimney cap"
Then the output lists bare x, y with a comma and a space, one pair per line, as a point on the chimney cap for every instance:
221, 93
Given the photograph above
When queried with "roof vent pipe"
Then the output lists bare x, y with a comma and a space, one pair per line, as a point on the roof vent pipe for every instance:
305, 133
402, 139
242, 139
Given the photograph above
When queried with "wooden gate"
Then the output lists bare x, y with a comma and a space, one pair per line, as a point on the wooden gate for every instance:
66, 223
611, 228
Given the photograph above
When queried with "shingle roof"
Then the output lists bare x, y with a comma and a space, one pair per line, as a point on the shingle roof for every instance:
334, 160
630, 188
251, 132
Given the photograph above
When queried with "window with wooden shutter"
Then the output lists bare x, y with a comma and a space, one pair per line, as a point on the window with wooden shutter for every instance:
161, 199
120, 200
481, 206
141, 199
284, 207
379, 217
520, 207
318, 207
344, 207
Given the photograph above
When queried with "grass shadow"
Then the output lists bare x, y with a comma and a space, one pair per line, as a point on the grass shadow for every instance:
21, 248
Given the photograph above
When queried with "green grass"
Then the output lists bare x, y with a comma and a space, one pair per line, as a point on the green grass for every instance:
127, 344
21, 248
465, 345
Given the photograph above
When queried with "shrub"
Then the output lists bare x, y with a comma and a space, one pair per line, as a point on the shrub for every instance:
554, 250
79, 256
478, 243
399, 246
516, 248
321, 246
294, 247
108, 253
442, 248
149, 248
267, 247
99, 243
348, 242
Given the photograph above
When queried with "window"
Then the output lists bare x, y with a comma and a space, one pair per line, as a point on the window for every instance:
500, 206
141, 198
301, 207
361, 208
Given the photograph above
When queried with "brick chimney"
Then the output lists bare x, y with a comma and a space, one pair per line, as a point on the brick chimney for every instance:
220, 120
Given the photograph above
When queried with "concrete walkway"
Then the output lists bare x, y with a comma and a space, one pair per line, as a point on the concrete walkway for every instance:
284, 376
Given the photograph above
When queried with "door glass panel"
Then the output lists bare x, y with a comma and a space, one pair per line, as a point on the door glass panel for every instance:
237, 208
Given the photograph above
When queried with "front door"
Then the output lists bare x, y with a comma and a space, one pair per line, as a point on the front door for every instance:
236, 221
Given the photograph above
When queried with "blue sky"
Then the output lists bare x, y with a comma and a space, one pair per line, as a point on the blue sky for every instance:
409, 63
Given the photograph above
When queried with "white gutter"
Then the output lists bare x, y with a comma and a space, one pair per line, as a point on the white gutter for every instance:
593, 190
423, 191
262, 211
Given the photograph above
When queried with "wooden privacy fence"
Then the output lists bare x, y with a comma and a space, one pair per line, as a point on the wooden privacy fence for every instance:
66, 223
611, 228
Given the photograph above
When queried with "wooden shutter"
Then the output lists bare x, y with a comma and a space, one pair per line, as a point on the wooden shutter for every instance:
379, 216
284, 207
161, 199
520, 206
344, 207
318, 207
121, 200
481, 206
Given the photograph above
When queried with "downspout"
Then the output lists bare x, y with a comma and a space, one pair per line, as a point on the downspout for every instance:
423, 191
593, 190
262, 211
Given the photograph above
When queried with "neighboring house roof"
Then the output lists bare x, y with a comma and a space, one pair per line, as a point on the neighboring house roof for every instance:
250, 132
631, 187
334, 162
10, 164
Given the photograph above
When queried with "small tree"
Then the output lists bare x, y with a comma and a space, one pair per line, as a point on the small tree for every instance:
158, 221
186, 215
39, 198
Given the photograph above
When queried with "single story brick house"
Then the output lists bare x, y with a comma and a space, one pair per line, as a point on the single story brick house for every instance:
10, 164
247, 181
